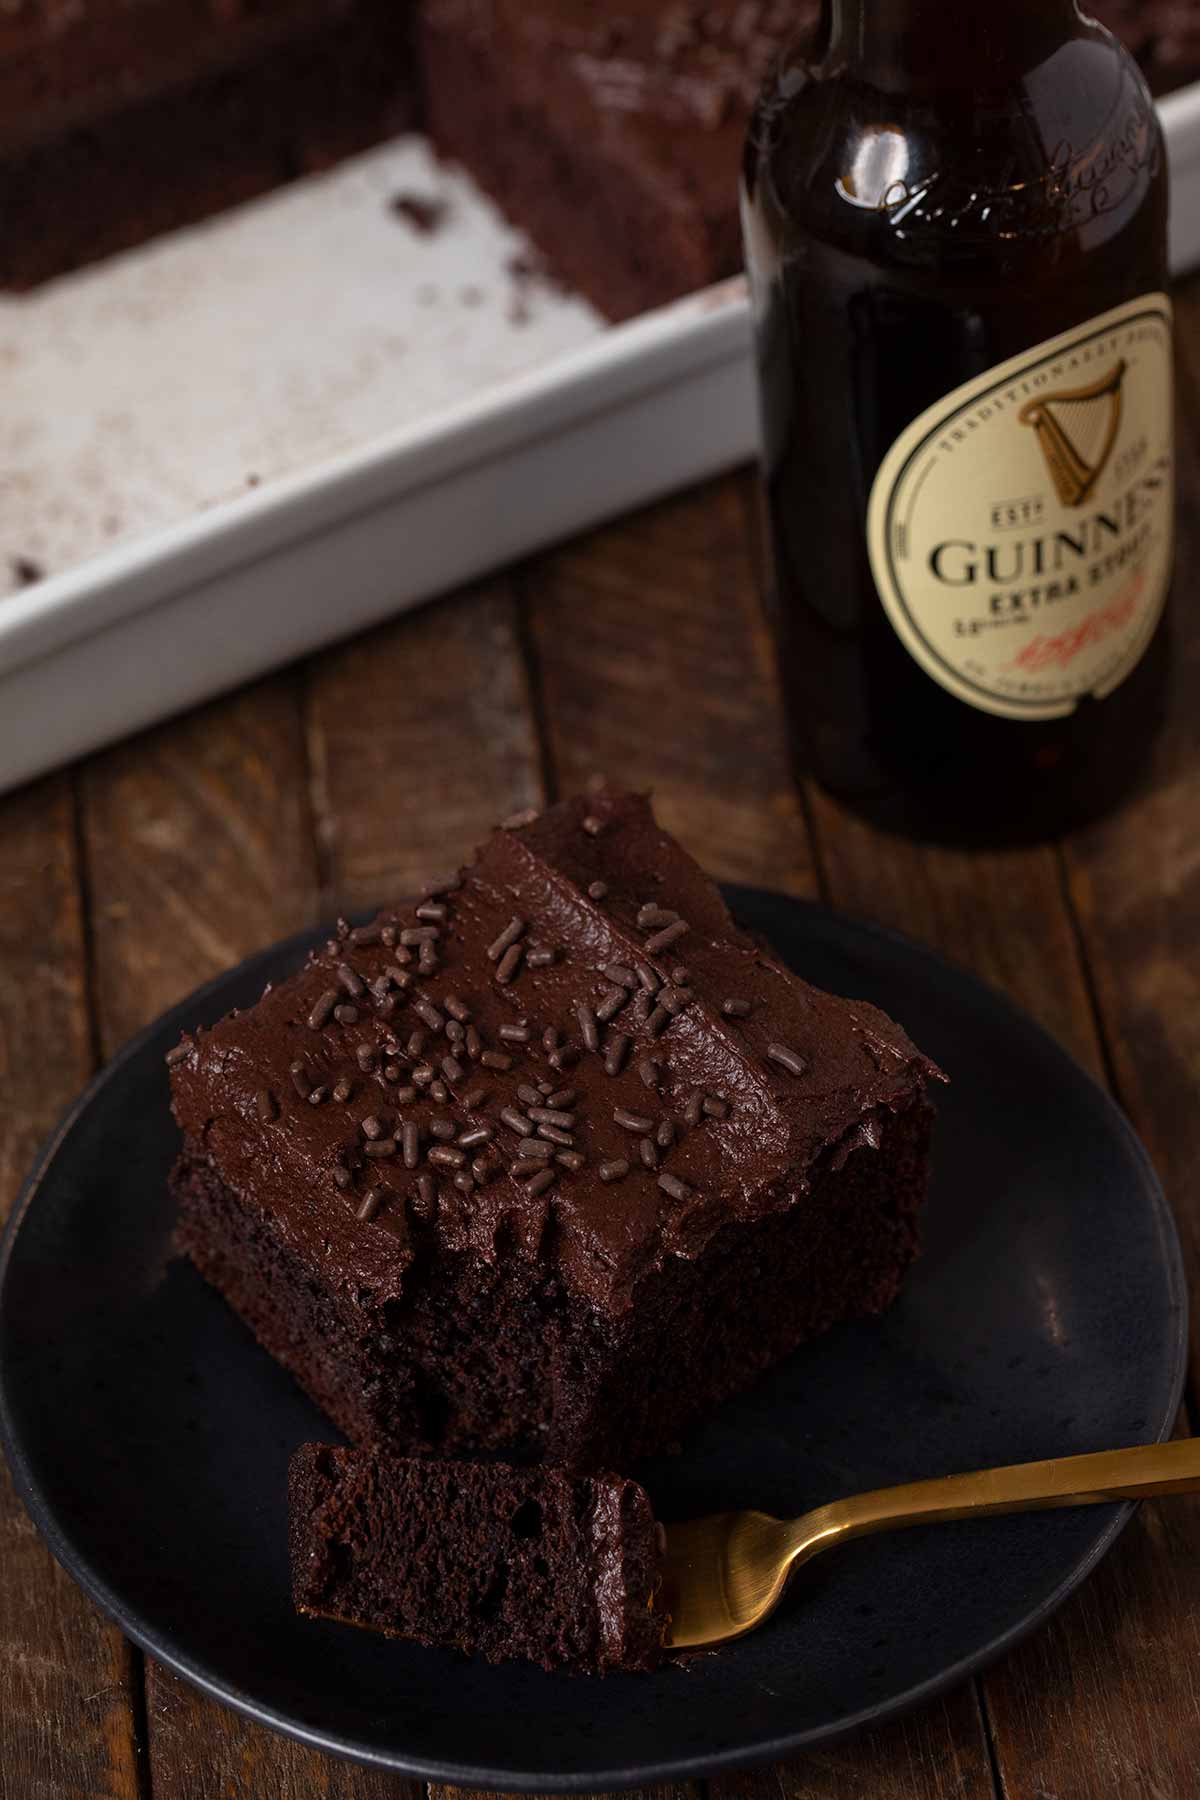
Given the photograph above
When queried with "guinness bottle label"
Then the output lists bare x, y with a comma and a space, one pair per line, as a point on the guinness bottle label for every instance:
1020, 531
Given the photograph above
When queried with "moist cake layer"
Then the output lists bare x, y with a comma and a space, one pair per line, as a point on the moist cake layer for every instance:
490, 1560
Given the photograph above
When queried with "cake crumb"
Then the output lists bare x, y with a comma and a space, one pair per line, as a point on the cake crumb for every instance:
26, 571
422, 214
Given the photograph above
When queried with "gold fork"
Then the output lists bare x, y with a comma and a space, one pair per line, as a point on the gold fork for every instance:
724, 1575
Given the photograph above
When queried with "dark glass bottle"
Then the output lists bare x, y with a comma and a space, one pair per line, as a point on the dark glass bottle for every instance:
955, 221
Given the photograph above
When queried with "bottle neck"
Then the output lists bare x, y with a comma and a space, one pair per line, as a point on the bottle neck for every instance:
900, 45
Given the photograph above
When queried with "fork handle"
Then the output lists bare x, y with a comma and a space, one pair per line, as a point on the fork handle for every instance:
1171, 1468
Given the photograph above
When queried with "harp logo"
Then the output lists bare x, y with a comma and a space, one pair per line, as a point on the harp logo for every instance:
1065, 421
1020, 530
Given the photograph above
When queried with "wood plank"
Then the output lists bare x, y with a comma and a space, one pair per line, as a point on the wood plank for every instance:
654, 668
69, 1678
653, 665
200, 850
892, 1763
421, 738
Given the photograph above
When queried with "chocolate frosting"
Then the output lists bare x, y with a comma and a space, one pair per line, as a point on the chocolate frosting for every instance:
666, 84
744, 1112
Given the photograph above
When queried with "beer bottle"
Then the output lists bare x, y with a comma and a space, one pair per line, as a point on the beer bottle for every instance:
955, 220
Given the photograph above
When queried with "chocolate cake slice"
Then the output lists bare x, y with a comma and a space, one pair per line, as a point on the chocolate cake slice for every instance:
550, 1161
120, 119
497, 1562
612, 136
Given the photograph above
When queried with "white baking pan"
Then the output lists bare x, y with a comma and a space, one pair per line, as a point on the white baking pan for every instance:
253, 438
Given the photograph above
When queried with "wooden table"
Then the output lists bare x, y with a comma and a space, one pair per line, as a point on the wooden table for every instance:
639, 652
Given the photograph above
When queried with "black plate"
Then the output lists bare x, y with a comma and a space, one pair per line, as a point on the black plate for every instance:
150, 1436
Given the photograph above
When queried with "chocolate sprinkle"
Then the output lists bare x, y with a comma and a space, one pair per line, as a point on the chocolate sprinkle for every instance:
615, 1052
648, 979
675, 1000
485, 1168
611, 1004
428, 1014
694, 1108
380, 1150
392, 1071
613, 1171
411, 1140
551, 1115
526, 1165
541, 956
372, 1200
342, 1178
475, 1097
404, 1096
532, 1146
551, 1038
593, 826
515, 1034
439, 1091
541, 1182
301, 1080
323, 1010
598, 890
509, 963
515, 821
174, 1057
352, 983
478, 1134
564, 1097
446, 1156
362, 935
649, 1152
553, 1135
346, 1015
464, 1181
664, 1137
415, 1044
631, 1121
512, 931
570, 1159
588, 1026
617, 972
564, 1058
715, 1107
787, 1059
457, 1010
443, 1129
495, 1059
452, 1069
652, 915
474, 1044
671, 934
649, 1071
530, 1095
372, 1127
415, 935
264, 1105
318, 1096
678, 1190
516, 1121
735, 1009
433, 910
658, 1021
426, 1193
364, 1056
